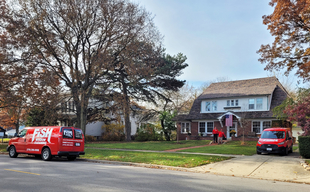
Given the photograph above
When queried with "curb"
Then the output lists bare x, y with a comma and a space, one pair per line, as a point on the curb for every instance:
143, 165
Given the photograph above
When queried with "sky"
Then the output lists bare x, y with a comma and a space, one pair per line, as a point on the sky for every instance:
220, 38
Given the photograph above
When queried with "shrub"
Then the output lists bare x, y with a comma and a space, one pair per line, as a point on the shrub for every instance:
113, 132
148, 132
304, 146
90, 138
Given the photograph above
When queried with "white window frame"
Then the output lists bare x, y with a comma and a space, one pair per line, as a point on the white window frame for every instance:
261, 125
208, 106
200, 127
261, 106
251, 104
212, 106
232, 103
189, 127
207, 126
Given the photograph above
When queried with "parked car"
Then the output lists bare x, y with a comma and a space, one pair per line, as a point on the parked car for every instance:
47, 142
275, 140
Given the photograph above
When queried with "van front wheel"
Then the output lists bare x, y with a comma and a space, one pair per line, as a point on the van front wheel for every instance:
12, 152
46, 154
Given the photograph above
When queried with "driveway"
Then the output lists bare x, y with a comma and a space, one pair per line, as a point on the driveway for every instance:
271, 167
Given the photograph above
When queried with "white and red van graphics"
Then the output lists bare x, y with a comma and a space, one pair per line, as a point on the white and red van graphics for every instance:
275, 140
48, 141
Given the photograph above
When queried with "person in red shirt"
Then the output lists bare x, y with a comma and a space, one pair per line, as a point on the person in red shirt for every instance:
221, 136
215, 133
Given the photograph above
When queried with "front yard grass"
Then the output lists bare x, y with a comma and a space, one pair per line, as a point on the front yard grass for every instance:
3, 148
148, 145
231, 147
168, 159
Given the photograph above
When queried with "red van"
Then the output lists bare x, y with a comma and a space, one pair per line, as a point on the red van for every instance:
47, 142
275, 140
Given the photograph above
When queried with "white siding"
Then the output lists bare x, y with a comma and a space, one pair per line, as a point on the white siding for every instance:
243, 104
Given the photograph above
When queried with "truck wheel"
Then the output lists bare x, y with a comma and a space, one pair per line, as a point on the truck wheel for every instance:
291, 149
285, 152
71, 158
257, 152
46, 154
12, 152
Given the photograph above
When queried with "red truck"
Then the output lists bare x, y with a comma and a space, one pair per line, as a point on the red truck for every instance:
48, 141
275, 140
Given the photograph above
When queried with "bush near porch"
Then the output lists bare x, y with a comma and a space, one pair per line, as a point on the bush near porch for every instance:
304, 146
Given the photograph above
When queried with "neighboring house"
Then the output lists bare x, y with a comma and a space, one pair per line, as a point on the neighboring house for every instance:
243, 106
95, 128
2, 132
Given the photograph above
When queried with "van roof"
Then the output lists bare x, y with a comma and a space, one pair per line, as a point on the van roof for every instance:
49, 127
277, 129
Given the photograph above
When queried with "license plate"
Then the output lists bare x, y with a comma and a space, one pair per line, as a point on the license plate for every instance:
269, 149
78, 144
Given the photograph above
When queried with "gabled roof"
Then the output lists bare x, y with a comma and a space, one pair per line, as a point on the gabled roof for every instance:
261, 86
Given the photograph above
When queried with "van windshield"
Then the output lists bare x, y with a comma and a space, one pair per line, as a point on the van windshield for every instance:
273, 135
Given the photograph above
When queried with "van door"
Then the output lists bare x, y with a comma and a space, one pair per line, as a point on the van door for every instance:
78, 140
67, 141
21, 143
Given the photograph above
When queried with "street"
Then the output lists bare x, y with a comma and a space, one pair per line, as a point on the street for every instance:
30, 174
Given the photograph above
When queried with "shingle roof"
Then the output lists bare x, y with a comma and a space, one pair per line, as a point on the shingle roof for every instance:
261, 86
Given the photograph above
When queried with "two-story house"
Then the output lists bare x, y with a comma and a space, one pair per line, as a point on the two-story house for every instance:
244, 106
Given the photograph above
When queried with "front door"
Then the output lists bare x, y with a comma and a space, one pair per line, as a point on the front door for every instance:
233, 127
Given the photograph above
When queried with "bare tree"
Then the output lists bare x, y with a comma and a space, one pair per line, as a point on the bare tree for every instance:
76, 39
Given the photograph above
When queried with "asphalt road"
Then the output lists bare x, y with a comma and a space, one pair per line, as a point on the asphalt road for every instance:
30, 174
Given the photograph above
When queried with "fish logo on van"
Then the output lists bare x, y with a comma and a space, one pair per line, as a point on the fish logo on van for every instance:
43, 134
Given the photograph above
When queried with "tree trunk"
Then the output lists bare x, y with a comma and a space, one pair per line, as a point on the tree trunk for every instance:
81, 103
126, 111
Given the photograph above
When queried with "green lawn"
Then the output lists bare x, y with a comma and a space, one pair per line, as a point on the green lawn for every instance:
168, 159
149, 145
232, 147
3, 148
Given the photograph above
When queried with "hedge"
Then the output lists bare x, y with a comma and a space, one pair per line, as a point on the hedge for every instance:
304, 146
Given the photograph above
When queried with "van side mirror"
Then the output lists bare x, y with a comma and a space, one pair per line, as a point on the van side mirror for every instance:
289, 138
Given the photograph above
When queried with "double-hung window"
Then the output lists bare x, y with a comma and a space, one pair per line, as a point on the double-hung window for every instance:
210, 126
259, 126
251, 103
202, 127
185, 127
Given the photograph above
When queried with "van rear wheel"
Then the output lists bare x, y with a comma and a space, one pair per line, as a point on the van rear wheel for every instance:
46, 154
12, 152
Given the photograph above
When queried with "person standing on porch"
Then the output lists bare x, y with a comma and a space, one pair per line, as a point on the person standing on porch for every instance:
221, 136
215, 134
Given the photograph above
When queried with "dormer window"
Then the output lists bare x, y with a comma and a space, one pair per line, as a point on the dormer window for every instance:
256, 103
211, 105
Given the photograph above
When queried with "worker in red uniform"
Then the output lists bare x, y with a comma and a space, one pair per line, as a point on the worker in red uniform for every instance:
221, 136
215, 133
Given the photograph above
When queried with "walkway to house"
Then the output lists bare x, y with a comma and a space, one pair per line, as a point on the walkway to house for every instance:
179, 149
